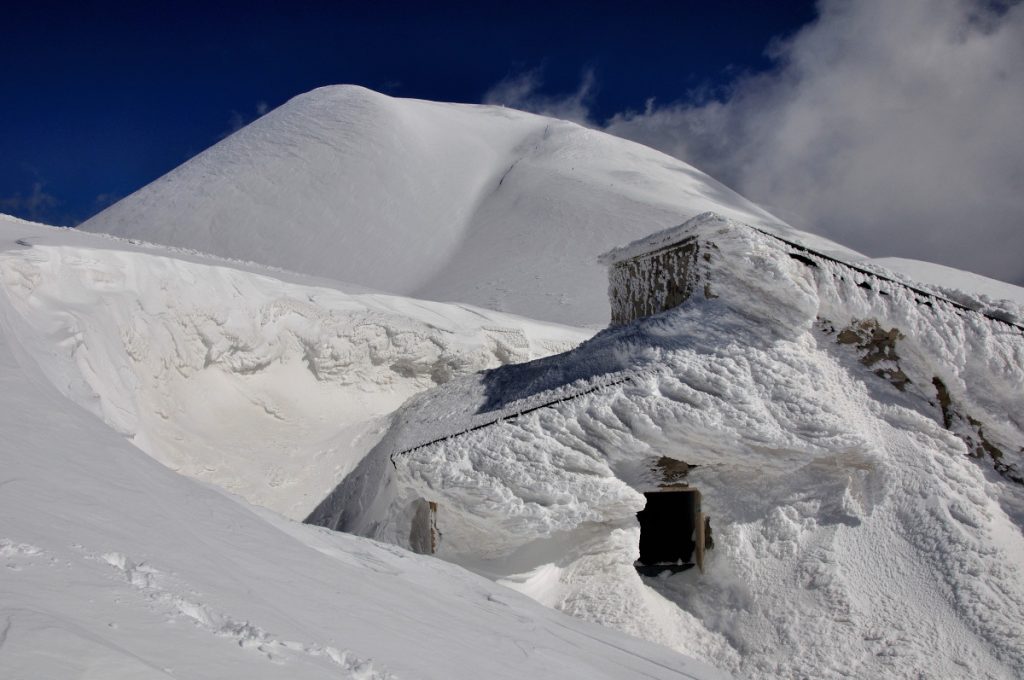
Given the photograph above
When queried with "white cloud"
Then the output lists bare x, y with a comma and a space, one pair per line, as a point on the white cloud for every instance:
895, 127
522, 91
237, 121
33, 206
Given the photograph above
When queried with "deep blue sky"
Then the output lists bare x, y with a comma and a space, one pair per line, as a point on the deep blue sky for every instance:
98, 99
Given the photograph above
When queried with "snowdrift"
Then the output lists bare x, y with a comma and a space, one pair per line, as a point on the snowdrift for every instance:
272, 390
476, 204
858, 444
113, 566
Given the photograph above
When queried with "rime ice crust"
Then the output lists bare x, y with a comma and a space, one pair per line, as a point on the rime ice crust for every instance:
850, 511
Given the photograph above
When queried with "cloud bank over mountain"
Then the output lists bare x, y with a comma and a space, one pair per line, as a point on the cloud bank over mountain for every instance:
893, 127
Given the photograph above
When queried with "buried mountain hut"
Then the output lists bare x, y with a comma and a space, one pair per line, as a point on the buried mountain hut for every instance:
675, 530
527, 463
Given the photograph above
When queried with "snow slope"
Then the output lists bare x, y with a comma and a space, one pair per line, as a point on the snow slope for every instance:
113, 566
476, 204
269, 389
859, 449
855, 534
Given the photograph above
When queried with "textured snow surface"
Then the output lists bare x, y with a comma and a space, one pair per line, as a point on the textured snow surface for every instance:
864, 524
855, 534
477, 204
271, 390
976, 291
113, 566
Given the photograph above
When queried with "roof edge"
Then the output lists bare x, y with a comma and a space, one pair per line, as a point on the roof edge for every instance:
663, 238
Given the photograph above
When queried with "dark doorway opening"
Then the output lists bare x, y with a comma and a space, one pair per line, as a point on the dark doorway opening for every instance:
673, 532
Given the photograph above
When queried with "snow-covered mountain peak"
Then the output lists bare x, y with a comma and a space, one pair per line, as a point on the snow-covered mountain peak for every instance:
456, 202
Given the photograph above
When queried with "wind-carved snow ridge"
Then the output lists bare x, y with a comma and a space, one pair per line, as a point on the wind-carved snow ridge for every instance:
271, 390
164, 592
14, 555
866, 521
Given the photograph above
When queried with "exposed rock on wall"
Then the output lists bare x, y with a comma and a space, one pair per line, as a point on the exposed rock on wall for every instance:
972, 432
876, 348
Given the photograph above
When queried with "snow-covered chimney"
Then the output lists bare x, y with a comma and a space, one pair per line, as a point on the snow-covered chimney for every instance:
658, 272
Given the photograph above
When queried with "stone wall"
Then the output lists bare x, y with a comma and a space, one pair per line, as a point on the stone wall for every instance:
654, 282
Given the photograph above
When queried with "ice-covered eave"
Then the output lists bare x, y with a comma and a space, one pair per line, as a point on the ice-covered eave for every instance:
668, 237
741, 261
710, 224
715, 221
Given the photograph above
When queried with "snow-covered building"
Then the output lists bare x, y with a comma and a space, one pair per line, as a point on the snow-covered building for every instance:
661, 271
827, 413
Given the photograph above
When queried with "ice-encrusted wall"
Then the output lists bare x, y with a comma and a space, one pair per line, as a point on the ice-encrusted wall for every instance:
654, 282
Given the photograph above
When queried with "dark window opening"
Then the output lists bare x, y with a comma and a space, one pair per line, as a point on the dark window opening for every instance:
674, 533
